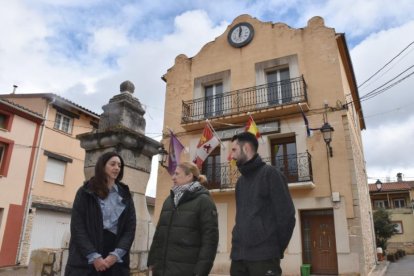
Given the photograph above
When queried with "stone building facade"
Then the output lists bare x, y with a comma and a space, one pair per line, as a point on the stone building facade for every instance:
281, 77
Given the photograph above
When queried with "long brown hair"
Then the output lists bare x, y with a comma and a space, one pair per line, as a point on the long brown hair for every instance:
99, 182
189, 167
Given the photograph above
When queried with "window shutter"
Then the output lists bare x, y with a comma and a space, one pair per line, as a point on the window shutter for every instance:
55, 171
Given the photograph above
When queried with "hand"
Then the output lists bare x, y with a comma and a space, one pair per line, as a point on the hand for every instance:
110, 260
100, 264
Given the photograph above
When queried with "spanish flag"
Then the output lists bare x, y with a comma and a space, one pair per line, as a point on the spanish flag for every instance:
252, 128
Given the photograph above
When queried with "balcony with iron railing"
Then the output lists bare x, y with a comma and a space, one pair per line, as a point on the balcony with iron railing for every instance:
270, 95
295, 167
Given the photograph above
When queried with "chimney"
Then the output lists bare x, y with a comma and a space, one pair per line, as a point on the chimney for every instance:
14, 89
399, 177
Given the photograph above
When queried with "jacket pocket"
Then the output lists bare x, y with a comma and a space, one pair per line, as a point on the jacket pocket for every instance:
256, 232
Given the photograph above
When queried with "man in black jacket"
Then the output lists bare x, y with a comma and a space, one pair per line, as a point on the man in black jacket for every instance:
265, 215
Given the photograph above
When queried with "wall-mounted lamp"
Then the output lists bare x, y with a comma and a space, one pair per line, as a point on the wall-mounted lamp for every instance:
378, 183
327, 130
162, 156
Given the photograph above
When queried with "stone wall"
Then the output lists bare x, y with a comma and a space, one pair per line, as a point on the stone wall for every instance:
45, 262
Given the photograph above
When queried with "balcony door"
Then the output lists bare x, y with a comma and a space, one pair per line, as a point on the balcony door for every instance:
211, 169
278, 86
284, 157
213, 100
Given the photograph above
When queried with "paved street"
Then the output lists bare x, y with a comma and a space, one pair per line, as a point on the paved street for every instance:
14, 271
402, 267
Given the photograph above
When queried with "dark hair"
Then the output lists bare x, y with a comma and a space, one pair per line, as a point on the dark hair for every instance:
189, 167
99, 181
246, 137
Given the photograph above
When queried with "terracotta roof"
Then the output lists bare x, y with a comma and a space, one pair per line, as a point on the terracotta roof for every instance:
51, 96
12, 104
393, 186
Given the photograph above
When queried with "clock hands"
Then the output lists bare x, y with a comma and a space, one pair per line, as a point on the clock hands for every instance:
240, 35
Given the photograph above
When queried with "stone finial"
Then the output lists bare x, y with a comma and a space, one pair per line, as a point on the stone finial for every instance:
127, 86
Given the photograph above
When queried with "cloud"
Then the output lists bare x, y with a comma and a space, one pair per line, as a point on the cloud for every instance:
144, 62
359, 18
389, 147
395, 104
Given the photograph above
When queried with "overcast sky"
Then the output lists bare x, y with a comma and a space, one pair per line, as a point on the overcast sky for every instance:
83, 50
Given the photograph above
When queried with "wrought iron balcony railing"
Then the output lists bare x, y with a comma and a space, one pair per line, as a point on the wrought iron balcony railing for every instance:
244, 100
296, 168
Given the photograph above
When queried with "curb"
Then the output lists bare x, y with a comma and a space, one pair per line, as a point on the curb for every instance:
379, 269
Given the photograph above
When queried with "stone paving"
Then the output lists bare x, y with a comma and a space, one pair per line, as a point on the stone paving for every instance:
14, 271
402, 267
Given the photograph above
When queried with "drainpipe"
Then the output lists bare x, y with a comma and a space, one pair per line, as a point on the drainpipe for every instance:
32, 182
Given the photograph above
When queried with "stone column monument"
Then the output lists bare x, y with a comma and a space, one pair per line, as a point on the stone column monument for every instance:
122, 129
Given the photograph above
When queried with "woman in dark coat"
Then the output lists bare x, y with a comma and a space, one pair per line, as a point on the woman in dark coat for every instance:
103, 222
186, 238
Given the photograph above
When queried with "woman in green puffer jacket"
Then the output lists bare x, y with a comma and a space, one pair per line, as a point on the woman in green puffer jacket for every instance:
186, 239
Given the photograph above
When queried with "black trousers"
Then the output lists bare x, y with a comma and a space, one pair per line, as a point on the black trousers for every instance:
109, 246
256, 268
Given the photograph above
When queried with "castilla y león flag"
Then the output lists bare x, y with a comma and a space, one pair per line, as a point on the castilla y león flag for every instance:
208, 142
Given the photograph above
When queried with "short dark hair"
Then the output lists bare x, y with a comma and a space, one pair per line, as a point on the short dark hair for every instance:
99, 180
247, 137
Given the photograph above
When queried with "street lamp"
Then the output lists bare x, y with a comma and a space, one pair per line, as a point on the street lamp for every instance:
378, 183
327, 130
162, 156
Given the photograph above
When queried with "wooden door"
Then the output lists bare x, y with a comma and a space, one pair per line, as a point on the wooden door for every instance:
318, 241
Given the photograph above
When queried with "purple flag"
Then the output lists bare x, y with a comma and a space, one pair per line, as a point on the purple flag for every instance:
174, 154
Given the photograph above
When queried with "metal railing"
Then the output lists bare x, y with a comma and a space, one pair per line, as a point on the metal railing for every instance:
295, 167
244, 100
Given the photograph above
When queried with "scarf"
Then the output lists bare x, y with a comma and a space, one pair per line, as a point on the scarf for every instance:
180, 190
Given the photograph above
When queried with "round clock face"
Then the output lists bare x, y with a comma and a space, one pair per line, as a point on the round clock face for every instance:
240, 35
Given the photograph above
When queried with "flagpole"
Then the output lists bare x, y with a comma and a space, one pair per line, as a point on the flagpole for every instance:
215, 133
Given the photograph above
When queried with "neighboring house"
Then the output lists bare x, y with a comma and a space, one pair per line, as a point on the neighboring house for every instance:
59, 169
19, 137
271, 71
397, 198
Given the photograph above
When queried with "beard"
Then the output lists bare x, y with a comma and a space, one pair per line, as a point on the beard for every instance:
242, 158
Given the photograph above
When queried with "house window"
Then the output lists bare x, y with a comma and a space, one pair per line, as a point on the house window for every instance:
380, 204
278, 86
399, 203
212, 86
6, 147
63, 123
213, 100
6, 120
55, 167
1, 216
212, 168
284, 157
55, 171
3, 120
398, 226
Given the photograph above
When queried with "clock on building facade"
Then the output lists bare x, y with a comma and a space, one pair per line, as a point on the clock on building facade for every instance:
240, 35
